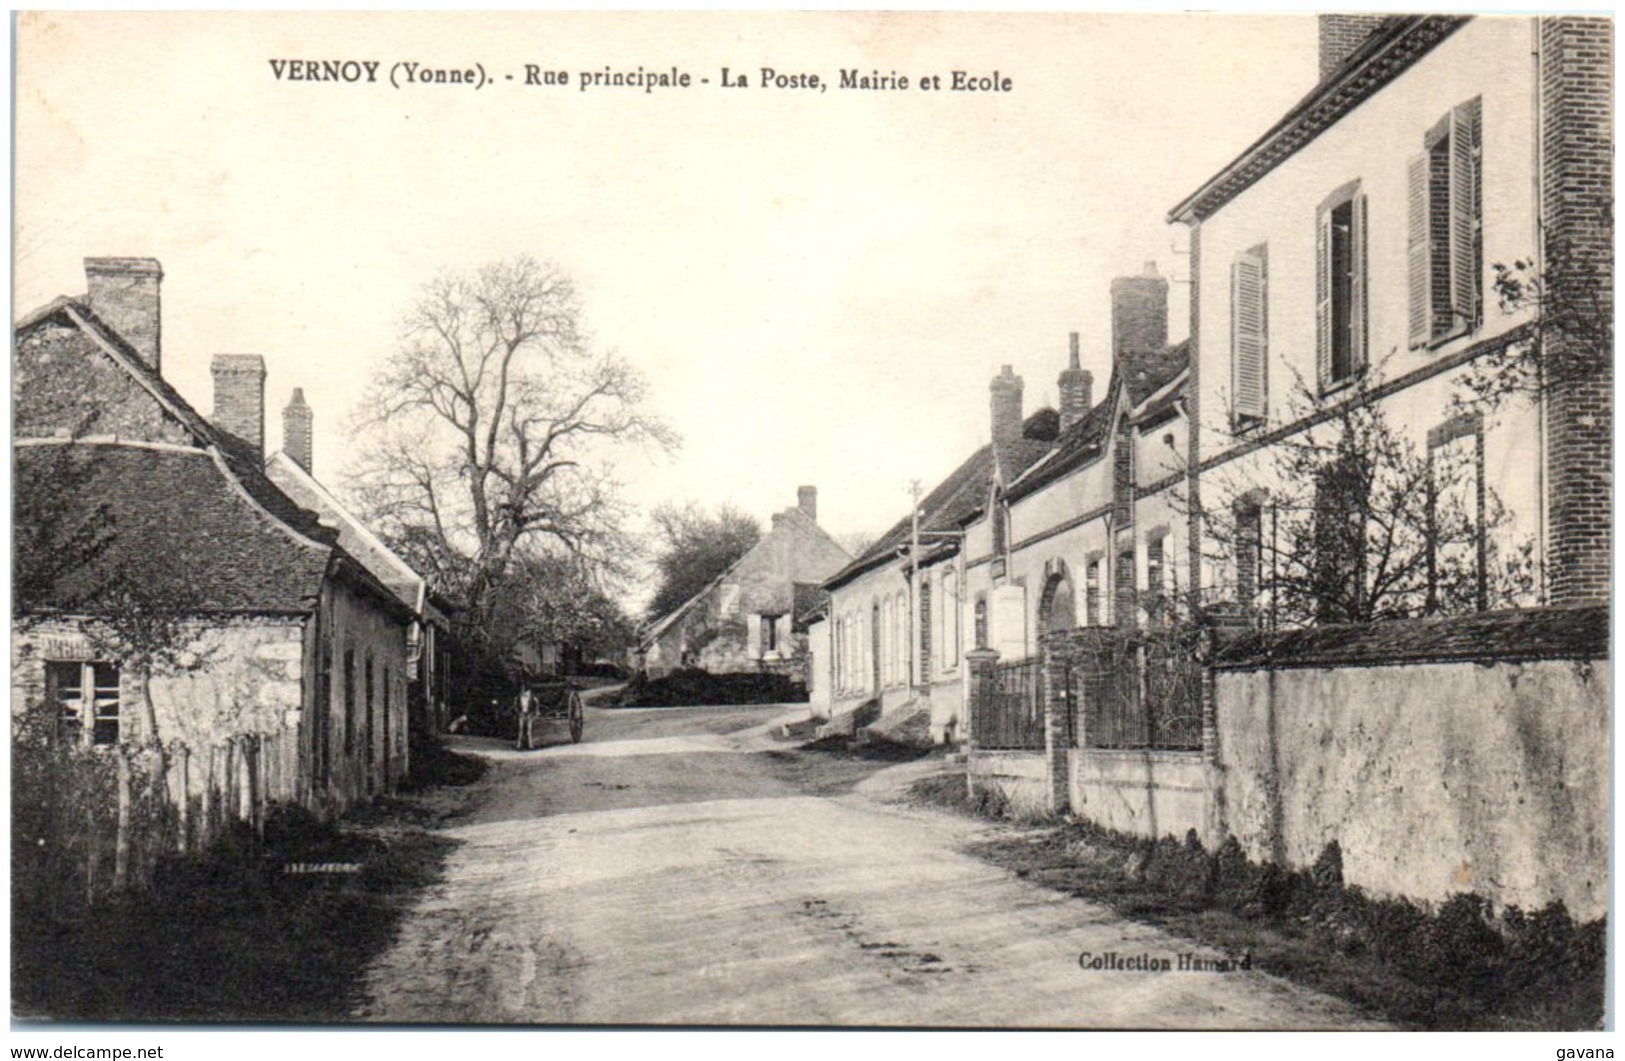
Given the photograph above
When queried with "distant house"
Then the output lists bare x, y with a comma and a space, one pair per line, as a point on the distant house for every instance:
745, 620
429, 639
125, 493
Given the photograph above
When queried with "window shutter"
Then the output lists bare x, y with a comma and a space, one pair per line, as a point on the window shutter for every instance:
1249, 332
1323, 298
753, 636
1464, 215
1420, 271
1358, 308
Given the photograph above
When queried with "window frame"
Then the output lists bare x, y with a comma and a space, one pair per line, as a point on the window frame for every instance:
1330, 291
104, 729
1450, 164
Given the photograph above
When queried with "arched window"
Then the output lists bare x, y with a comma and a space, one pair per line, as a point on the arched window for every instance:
1057, 609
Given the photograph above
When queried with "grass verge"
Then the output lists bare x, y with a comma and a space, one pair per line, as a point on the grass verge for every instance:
279, 928
1457, 966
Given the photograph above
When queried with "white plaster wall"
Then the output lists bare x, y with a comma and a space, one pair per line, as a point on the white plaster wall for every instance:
1489, 57
1432, 779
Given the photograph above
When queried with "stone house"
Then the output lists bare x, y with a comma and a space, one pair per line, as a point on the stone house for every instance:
745, 621
132, 500
429, 640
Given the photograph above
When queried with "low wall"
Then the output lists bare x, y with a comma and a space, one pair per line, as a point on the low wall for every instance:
1433, 778
1020, 779
1150, 794
947, 700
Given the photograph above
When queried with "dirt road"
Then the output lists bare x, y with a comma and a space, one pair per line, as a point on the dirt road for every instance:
682, 867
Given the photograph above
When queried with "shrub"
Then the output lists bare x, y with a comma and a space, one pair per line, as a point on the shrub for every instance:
693, 687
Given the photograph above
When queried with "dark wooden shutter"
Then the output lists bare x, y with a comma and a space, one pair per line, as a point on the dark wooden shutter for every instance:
1249, 335
1358, 287
1464, 215
1419, 269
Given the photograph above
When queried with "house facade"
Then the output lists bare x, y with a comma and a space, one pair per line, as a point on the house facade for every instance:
1350, 258
1377, 477
901, 615
1093, 532
287, 673
745, 620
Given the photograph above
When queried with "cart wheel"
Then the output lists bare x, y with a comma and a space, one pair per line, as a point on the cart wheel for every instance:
577, 719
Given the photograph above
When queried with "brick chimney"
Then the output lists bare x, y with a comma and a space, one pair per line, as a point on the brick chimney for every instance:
807, 501
1077, 389
296, 430
1139, 315
239, 398
124, 295
1341, 36
1006, 404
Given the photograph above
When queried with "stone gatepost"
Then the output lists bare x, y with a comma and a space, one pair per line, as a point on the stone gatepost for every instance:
981, 663
1058, 740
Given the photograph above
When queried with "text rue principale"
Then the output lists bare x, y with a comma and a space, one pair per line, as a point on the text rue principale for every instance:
413, 74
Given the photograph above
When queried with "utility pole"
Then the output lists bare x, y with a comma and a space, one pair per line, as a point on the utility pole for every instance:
913, 576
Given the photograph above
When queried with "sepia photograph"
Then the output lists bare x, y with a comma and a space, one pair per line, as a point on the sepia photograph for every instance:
806, 520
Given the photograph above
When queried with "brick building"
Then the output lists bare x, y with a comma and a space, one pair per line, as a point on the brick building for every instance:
127, 498
1351, 255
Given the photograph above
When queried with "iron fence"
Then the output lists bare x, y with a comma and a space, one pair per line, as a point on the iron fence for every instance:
1140, 690
1008, 713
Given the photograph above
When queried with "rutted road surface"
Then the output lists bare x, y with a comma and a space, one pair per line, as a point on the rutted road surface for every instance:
679, 868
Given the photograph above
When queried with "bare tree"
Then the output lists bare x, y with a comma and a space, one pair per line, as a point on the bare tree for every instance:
1571, 337
1348, 520
487, 433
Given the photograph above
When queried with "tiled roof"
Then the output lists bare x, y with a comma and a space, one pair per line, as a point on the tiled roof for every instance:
810, 602
1150, 372
193, 522
1390, 50
1579, 633
174, 522
1086, 439
951, 504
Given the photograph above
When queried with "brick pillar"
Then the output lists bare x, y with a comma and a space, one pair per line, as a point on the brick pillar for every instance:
1193, 419
1576, 97
1341, 36
980, 664
125, 294
1058, 739
239, 398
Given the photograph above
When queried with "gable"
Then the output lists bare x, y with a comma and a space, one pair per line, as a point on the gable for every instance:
65, 385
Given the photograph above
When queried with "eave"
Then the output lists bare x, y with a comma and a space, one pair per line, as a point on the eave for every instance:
1378, 62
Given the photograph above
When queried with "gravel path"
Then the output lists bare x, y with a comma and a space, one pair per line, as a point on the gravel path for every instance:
677, 868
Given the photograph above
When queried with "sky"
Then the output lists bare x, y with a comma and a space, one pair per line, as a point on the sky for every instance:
818, 285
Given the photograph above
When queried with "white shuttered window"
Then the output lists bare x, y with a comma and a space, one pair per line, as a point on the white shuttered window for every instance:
1249, 336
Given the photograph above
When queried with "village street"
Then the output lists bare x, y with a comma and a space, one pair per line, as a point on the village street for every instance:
683, 866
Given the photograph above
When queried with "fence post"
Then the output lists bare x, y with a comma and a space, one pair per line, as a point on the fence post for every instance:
1057, 730
121, 840
982, 663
